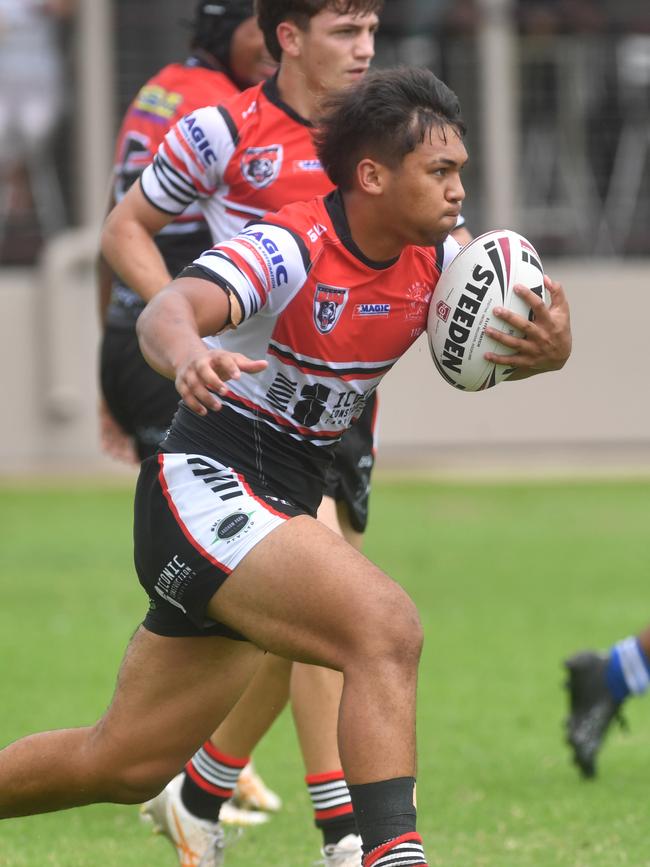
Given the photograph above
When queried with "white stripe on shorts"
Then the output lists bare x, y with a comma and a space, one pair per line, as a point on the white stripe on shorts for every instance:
215, 508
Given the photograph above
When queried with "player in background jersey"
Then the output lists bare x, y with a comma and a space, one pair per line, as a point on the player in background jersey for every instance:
226, 541
227, 53
253, 154
598, 684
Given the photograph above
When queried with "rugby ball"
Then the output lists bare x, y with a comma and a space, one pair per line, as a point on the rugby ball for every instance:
481, 277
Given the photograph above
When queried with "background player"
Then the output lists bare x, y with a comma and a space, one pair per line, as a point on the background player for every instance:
227, 53
598, 684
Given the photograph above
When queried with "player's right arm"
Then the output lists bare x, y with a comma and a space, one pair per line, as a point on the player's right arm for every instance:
128, 245
185, 168
170, 330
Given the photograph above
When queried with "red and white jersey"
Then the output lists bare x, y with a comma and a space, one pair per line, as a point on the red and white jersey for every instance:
330, 322
250, 155
174, 91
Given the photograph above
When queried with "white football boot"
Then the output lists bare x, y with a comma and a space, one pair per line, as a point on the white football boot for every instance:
346, 853
198, 842
232, 814
252, 793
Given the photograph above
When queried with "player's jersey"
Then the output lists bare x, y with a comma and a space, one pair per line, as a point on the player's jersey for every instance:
239, 160
173, 92
330, 322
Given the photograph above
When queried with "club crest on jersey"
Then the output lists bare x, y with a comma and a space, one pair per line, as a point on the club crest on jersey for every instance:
418, 296
329, 302
261, 166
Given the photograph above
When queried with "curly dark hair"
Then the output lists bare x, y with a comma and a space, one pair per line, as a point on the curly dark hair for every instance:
385, 116
270, 13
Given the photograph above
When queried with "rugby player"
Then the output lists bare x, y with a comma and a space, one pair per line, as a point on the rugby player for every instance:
227, 53
252, 154
226, 541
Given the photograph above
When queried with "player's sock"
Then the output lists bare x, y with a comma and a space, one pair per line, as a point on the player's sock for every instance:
210, 778
330, 798
386, 815
628, 670
404, 851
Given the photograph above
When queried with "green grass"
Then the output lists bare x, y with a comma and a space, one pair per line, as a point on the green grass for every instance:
509, 580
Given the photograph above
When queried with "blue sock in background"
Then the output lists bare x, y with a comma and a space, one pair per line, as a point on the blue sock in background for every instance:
628, 670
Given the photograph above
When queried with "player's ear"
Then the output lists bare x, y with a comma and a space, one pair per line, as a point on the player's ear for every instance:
370, 176
289, 38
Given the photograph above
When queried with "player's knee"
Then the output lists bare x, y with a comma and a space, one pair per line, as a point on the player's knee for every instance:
138, 782
122, 777
405, 633
393, 634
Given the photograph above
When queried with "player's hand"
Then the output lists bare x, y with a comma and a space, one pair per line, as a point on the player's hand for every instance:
202, 376
114, 440
545, 343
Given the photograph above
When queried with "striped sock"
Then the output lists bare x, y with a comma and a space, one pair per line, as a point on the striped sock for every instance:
628, 670
404, 851
210, 778
330, 798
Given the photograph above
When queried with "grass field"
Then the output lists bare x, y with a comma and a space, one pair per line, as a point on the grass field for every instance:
509, 580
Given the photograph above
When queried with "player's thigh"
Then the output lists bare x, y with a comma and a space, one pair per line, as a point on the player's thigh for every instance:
305, 593
170, 695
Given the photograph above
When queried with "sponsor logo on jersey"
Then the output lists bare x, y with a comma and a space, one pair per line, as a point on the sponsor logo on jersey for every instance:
261, 166
272, 255
329, 302
308, 165
155, 100
201, 141
248, 111
443, 310
381, 310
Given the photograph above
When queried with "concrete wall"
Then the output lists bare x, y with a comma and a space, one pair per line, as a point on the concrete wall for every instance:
593, 415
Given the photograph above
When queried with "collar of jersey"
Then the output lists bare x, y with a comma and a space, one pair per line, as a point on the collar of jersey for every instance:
195, 61
336, 210
271, 92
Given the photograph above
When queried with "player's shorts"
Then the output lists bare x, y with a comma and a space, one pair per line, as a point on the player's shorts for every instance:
195, 520
142, 401
348, 479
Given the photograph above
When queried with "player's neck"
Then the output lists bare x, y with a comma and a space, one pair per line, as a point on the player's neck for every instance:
296, 92
368, 229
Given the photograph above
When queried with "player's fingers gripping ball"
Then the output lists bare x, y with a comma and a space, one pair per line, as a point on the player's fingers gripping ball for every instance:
481, 278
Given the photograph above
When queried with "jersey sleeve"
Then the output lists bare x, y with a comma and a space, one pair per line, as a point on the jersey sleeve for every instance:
264, 266
190, 161
450, 249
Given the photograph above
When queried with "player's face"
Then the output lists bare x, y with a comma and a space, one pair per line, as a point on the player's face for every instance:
424, 195
249, 60
336, 50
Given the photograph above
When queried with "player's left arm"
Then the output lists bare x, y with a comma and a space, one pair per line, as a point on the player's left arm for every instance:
545, 343
170, 329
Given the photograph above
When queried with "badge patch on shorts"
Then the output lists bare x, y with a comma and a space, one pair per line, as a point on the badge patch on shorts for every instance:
231, 526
